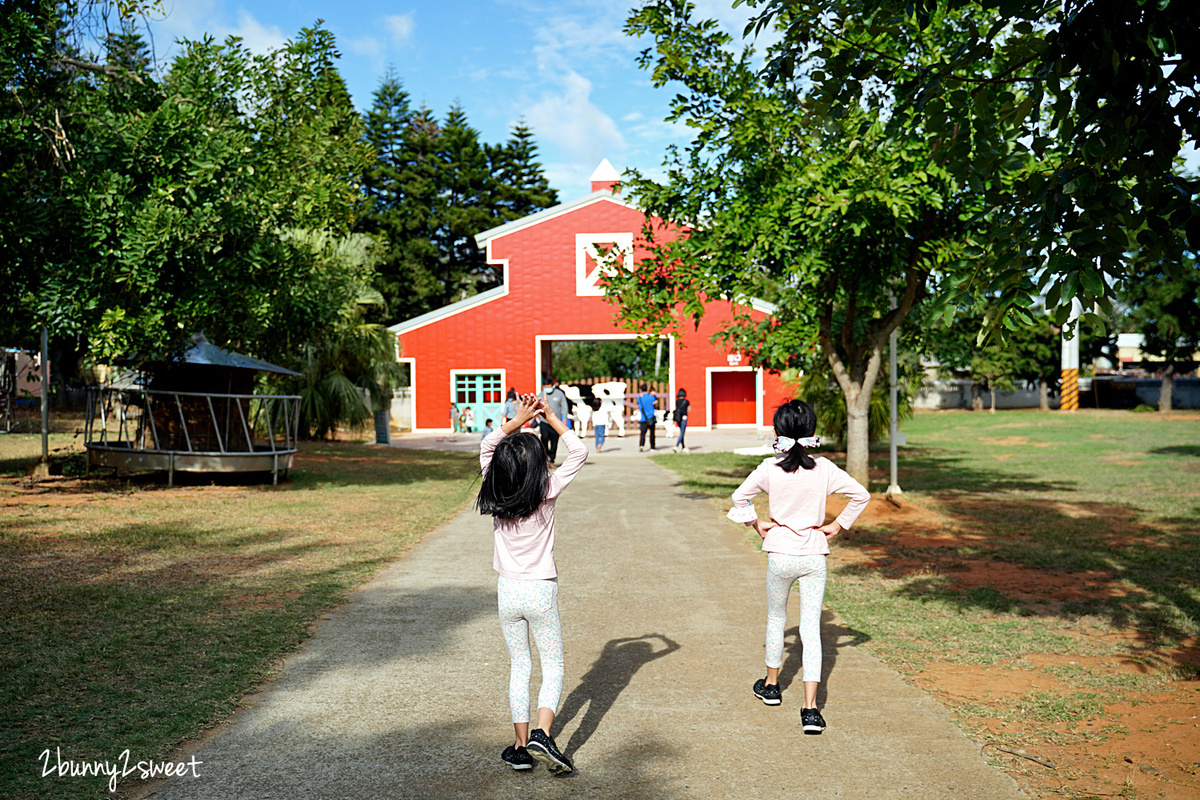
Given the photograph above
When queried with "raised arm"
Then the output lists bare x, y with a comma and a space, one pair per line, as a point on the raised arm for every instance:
552, 419
527, 408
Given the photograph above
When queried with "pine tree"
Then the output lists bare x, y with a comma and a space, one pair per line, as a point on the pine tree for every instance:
523, 188
387, 122
433, 187
128, 49
469, 205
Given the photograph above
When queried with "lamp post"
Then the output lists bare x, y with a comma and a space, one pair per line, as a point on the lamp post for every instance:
895, 438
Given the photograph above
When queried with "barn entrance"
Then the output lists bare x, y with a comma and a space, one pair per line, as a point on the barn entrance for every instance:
582, 362
734, 396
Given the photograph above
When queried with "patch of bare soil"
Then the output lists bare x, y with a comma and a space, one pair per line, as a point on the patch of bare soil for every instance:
1124, 742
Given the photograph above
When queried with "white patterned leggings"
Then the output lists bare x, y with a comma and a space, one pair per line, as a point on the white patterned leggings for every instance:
527, 605
809, 573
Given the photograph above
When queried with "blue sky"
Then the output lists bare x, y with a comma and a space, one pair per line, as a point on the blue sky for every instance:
564, 66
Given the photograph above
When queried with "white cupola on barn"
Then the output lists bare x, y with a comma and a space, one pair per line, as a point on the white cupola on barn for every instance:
606, 177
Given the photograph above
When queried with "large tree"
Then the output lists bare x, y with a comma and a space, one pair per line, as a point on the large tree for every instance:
161, 206
829, 216
1066, 116
522, 185
433, 186
403, 184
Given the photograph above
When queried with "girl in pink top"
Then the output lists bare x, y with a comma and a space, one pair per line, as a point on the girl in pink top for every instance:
519, 492
796, 540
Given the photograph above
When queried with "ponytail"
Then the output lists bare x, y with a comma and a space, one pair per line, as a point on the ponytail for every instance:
793, 421
796, 457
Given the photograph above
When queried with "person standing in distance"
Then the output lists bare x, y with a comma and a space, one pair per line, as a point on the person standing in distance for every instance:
681, 417
647, 417
556, 399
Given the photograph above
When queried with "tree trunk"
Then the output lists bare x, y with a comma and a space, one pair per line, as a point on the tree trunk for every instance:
1043, 394
992, 389
976, 398
1166, 389
858, 437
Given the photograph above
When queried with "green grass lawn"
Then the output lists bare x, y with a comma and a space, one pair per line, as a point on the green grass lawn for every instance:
1109, 492
1105, 504
134, 615
138, 615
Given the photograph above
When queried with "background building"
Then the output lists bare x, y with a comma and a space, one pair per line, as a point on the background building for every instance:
471, 352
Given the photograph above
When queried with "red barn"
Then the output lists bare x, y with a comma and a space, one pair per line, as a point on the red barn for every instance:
472, 351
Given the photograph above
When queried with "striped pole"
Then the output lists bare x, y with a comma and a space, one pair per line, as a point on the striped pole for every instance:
1069, 394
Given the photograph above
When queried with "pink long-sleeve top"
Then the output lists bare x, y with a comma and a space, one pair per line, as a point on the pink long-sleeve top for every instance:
524, 548
797, 504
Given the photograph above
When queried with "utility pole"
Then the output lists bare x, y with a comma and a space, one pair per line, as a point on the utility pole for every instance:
45, 395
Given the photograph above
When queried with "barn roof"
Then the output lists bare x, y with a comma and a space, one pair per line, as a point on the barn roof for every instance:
481, 239
448, 311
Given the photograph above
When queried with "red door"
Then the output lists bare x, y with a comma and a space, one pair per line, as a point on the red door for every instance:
733, 401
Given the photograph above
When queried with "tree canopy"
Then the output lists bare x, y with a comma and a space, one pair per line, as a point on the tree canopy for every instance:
1066, 116
434, 185
147, 208
236, 194
830, 217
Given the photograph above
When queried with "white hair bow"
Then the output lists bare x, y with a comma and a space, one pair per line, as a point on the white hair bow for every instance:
784, 443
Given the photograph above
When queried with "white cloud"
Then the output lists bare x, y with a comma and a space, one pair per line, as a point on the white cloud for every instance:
577, 126
401, 27
367, 46
257, 38
192, 19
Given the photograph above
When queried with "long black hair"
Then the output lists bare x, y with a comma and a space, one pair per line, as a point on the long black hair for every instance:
795, 419
516, 481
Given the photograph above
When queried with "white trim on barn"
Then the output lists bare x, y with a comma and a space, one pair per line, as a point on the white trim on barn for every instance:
548, 214
452, 309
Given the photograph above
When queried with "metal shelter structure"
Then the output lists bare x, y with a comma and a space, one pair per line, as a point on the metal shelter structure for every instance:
171, 424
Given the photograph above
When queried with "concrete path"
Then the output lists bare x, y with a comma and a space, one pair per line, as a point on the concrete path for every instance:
403, 692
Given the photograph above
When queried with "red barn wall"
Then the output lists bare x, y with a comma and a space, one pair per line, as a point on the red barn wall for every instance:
501, 335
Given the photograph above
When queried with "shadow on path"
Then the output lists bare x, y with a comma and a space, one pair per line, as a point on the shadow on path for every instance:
606, 679
833, 638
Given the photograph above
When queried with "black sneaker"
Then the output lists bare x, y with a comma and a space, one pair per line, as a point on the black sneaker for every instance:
771, 695
517, 757
812, 720
542, 748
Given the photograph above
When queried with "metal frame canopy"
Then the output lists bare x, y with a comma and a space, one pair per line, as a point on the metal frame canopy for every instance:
169, 426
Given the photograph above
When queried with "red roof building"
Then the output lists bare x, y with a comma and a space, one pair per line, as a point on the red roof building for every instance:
472, 351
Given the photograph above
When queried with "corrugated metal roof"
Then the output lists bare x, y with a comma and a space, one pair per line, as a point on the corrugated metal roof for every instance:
205, 352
